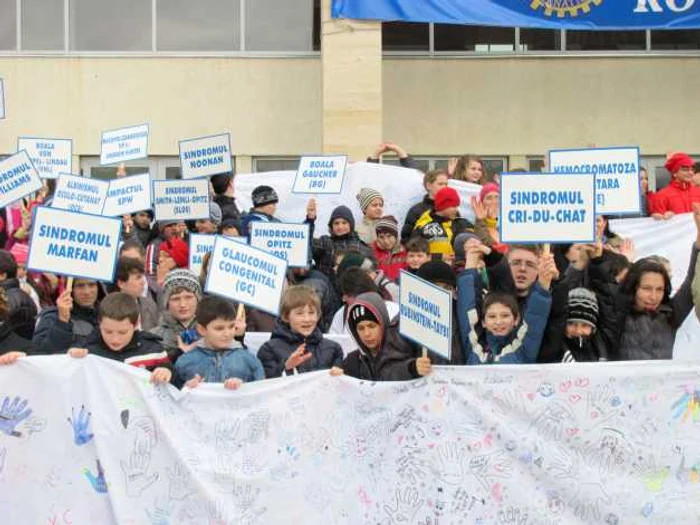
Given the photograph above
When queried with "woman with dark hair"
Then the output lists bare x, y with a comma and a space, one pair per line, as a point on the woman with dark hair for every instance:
468, 168
12, 346
639, 318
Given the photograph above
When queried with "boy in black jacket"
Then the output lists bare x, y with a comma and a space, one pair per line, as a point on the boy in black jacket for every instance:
118, 339
297, 344
383, 355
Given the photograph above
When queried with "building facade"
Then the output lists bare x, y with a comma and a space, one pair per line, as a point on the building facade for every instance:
285, 80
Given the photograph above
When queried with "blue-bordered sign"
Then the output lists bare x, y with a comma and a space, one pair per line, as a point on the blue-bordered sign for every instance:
81, 194
181, 199
291, 242
205, 156
124, 144
51, 157
18, 178
320, 174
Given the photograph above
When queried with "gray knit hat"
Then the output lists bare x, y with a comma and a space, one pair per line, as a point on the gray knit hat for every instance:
215, 214
180, 278
365, 196
582, 307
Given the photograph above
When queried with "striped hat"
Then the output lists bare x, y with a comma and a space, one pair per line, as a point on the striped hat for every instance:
366, 195
582, 307
387, 224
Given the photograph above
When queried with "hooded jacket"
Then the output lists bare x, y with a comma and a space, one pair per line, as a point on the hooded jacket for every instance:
631, 335
53, 336
521, 345
22, 309
439, 231
143, 351
325, 248
283, 342
415, 213
216, 366
396, 358
229, 209
11, 342
677, 197
168, 331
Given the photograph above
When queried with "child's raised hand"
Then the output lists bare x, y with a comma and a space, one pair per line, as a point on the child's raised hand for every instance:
78, 353
232, 383
298, 357
337, 371
11, 357
194, 382
548, 270
479, 209
423, 366
161, 375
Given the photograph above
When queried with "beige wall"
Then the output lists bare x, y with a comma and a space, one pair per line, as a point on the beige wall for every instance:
522, 106
270, 106
512, 106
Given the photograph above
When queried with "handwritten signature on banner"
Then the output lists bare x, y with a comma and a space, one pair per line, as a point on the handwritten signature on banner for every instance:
523, 445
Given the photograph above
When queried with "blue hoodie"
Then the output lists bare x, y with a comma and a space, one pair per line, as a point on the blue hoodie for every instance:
520, 346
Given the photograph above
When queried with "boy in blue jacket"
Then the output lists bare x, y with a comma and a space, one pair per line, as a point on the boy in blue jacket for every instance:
498, 336
219, 358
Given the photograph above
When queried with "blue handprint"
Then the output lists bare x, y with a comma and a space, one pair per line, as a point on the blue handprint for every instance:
81, 433
98, 482
12, 414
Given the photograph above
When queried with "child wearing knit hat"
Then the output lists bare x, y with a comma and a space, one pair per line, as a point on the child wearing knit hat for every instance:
390, 254
441, 224
580, 343
372, 205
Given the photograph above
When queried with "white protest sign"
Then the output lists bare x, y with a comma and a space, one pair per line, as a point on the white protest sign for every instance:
616, 171
200, 245
181, 199
205, 156
426, 314
466, 191
290, 242
401, 187
543, 207
322, 174
2, 99
80, 194
124, 144
17, 178
51, 157
128, 195
246, 275
70, 243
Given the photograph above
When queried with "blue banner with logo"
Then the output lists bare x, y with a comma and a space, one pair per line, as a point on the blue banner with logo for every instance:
546, 14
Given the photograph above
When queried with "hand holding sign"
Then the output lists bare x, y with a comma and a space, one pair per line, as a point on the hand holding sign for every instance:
475, 251
423, 365
64, 305
311, 209
548, 270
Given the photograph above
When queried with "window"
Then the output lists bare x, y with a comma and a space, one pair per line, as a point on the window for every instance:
493, 165
479, 39
158, 167
540, 40
606, 40
405, 36
675, 40
262, 164
8, 25
535, 164
204, 25
272, 25
42, 25
106, 25
317, 26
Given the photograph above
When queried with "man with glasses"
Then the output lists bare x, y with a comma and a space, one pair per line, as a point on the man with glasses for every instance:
680, 194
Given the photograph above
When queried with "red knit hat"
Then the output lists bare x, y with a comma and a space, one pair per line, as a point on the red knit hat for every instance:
491, 187
678, 161
178, 250
446, 198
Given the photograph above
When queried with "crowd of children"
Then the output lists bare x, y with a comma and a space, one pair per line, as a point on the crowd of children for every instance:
512, 303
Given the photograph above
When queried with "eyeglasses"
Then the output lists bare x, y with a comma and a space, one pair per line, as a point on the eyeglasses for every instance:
528, 265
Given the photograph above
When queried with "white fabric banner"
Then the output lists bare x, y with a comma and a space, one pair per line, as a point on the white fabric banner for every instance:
401, 188
672, 239
91, 441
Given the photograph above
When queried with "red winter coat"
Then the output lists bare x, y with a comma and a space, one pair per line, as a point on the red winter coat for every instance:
676, 197
390, 262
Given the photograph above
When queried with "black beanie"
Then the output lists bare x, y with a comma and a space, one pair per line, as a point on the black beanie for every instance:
342, 212
582, 307
437, 272
359, 313
263, 195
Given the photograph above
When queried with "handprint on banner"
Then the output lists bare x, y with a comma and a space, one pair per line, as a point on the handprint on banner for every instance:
488, 468
160, 515
602, 403
510, 403
136, 469
450, 463
12, 414
562, 464
590, 502
654, 478
257, 426
147, 429
552, 420
80, 425
245, 497
179, 482
405, 508
226, 434
98, 481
